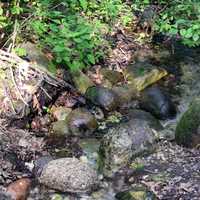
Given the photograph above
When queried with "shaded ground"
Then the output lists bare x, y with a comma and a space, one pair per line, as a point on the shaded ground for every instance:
172, 172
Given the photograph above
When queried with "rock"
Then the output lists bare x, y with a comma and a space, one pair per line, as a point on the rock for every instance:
124, 142
40, 163
82, 82
19, 189
59, 129
5, 195
113, 77
143, 74
158, 103
69, 175
80, 121
60, 113
103, 97
187, 130
140, 114
126, 94
90, 149
35, 54
137, 193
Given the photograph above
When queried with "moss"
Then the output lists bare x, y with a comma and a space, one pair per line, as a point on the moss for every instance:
136, 193
188, 124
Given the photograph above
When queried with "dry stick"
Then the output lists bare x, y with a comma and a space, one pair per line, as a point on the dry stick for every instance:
8, 94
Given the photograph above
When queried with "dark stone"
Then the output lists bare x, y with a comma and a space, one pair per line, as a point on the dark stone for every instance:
103, 97
39, 165
140, 114
158, 103
81, 122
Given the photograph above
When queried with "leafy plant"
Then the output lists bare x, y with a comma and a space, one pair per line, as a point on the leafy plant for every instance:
3, 19
178, 18
73, 31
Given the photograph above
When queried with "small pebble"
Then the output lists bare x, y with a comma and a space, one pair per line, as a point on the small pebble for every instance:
19, 189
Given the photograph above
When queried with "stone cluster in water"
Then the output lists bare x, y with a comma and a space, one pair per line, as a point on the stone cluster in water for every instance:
110, 153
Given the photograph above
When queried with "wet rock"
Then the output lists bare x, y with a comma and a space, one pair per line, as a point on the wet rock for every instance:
40, 163
82, 81
90, 149
69, 175
140, 114
126, 94
19, 189
158, 103
143, 74
124, 142
187, 130
112, 76
60, 113
80, 122
59, 129
103, 97
137, 193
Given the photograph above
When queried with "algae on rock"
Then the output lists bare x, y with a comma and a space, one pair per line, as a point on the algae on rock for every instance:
187, 128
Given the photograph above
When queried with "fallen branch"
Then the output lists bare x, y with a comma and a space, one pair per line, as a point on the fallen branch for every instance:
25, 79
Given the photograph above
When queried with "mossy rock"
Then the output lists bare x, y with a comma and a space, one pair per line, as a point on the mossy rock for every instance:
187, 128
82, 81
142, 74
103, 97
113, 77
81, 122
123, 143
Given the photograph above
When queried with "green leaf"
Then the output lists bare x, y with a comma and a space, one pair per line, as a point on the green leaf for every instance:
195, 37
189, 33
58, 48
91, 58
16, 10
20, 51
173, 31
84, 4
1, 11
183, 32
58, 59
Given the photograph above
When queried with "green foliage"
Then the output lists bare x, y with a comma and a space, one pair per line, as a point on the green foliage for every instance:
183, 20
70, 38
73, 30
179, 18
3, 19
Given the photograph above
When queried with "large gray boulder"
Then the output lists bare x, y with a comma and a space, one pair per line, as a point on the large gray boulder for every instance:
69, 175
124, 142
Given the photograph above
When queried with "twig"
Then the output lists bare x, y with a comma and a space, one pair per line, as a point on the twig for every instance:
16, 86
